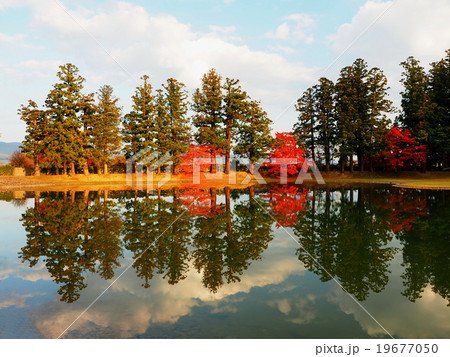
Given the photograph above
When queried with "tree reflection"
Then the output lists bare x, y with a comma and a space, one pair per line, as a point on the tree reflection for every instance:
71, 237
157, 232
225, 245
426, 250
285, 202
347, 240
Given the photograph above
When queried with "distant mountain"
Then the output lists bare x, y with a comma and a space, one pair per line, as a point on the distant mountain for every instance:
7, 149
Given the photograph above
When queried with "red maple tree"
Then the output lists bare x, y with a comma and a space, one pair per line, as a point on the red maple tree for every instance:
285, 156
206, 152
403, 151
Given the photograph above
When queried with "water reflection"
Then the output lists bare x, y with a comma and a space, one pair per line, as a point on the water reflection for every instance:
219, 233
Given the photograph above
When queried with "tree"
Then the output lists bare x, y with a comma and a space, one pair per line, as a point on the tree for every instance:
403, 151
285, 158
253, 138
324, 96
306, 127
36, 127
88, 117
208, 108
234, 112
64, 142
361, 106
19, 159
415, 99
105, 134
139, 129
177, 120
439, 118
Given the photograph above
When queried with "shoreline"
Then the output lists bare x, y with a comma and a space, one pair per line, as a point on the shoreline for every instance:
432, 180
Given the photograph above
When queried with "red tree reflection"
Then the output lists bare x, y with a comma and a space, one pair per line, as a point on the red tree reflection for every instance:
285, 202
404, 209
200, 202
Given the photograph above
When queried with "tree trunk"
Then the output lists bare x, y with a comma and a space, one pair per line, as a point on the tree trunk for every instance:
37, 169
64, 169
251, 192
105, 168
342, 162
72, 168
252, 167
86, 168
213, 167
360, 156
227, 163
351, 163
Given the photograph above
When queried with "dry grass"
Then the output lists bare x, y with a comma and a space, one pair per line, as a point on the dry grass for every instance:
431, 180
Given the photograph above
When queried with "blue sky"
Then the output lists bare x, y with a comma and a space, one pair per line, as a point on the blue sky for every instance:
276, 48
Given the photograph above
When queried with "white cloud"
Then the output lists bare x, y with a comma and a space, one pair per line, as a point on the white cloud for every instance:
222, 29
426, 318
281, 33
406, 28
297, 27
161, 303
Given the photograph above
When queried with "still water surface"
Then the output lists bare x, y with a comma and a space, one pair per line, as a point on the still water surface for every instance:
266, 262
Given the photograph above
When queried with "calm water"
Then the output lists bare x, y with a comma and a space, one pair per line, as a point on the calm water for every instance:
226, 263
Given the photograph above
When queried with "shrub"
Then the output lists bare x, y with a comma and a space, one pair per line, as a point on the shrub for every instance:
6, 170
19, 159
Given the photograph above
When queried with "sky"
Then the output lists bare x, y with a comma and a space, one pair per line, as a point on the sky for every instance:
277, 49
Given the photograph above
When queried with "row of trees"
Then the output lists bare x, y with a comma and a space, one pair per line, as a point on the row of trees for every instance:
350, 117
75, 130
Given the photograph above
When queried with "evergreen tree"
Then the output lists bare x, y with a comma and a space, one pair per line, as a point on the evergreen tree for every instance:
139, 125
253, 138
64, 142
415, 99
439, 118
234, 111
306, 127
326, 118
36, 122
88, 116
208, 108
105, 134
361, 106
177, 120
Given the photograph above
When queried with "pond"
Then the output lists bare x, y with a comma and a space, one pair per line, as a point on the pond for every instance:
360, 261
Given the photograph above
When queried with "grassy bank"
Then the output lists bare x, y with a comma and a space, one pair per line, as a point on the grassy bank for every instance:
431, 180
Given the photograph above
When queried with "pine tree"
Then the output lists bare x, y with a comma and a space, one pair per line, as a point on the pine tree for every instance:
439, 118
234, 112
88, 115
324, 96
64, 142
139, 125
361, 106
253, 138
208, 108
36, 127
105, 136
177, 120
306, 127
379, 106
415, 99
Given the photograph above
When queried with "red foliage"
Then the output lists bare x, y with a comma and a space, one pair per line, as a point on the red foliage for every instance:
200, 203
403, 150
285, 155
198, 152
285, 203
